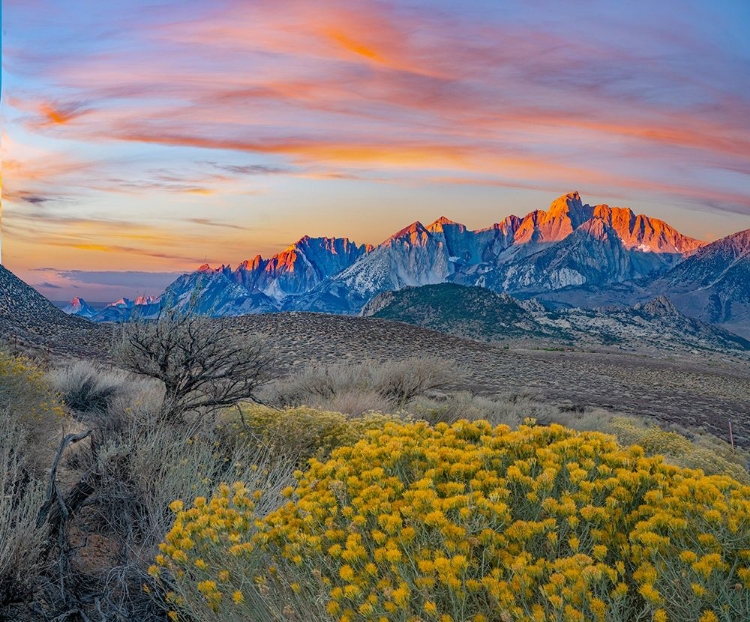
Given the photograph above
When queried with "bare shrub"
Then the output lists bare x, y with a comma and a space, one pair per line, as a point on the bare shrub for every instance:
201, 364
381, 386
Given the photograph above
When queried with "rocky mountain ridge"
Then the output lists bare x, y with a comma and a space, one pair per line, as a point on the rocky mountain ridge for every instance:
572, 254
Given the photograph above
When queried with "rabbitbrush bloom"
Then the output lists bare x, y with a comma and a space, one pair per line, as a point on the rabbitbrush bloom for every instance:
471, 522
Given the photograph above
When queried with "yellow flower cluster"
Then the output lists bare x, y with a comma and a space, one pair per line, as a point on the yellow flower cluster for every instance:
25, 391
302, 432
707, 453
200, 537
470, 522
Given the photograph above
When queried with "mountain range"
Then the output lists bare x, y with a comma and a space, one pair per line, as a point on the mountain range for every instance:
570, 255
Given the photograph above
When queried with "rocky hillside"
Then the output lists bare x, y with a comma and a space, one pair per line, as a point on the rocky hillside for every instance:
28, 321
481, 314
472, 312
714, 284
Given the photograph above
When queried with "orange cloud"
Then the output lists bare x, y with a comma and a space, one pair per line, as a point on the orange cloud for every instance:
353, 46
363, 89
57, 115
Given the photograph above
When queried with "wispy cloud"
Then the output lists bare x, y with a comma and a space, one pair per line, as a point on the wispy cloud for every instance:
217, 102
207, 222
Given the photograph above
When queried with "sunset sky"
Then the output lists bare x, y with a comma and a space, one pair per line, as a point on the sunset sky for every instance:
145, 136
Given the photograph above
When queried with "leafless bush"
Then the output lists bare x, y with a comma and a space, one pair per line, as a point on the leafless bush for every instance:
201, 364
354, 388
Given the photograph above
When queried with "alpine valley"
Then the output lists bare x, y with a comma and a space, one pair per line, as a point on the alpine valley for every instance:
572, 255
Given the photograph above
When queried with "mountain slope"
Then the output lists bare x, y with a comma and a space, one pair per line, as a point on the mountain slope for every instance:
29, 320
478, 313
569, 244
261, 285
472, 312
298, 268
652, 325
416, 255
593, 254
572, 243
713, 284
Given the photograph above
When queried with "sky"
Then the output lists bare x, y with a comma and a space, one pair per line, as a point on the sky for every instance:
142, 138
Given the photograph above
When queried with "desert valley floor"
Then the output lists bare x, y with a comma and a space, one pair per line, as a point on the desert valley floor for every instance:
693, 390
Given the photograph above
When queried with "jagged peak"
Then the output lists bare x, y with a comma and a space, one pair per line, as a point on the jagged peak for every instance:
307, 240
509, 223
596, 227
415, 227
205, 268
645, 233
123, 302
250, 264
77, 300
437, 226
565, 202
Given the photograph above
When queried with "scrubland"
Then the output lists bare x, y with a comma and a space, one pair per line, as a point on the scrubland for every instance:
352, 491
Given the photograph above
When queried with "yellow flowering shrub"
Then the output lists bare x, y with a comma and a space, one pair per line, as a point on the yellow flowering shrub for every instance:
24, 390
471, 523
301, 432
714, 457
32, 403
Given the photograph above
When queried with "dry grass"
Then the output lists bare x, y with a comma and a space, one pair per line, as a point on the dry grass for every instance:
365, 386
296, 434
21, 496
509, 409
88, 388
